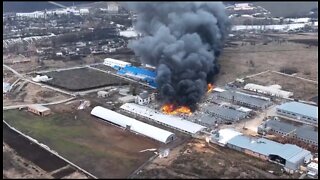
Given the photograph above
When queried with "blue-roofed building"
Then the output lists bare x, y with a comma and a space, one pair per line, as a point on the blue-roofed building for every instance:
139, 74
299, 111
288, 155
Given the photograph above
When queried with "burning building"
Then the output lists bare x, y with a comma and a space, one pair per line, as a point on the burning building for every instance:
183, 41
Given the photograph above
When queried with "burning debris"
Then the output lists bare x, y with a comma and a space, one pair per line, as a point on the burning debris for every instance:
174, 110
183, 40
210, 87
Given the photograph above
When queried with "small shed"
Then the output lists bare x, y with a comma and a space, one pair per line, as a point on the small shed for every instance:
6, 87
39, 110
143, 98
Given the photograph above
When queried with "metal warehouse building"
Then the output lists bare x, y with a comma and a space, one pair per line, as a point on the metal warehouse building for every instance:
288, 155
225, 113
134, 125
299, 111
166, 120
273, 90
246, 100
140, 74
303, 133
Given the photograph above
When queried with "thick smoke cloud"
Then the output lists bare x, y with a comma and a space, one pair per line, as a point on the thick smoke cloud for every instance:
183, 40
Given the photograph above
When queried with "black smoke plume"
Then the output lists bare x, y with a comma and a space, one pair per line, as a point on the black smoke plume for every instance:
183, 40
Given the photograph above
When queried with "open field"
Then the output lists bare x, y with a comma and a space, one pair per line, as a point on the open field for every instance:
301, 89
82, 79
102, 149
235, 61
33, 65
32, 93
197, 160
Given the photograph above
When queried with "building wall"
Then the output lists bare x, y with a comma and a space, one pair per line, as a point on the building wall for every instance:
44, 113
270, 92
293, 165
295, 136
297, 116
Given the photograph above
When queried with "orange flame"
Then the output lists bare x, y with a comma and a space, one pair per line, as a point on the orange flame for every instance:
170, 109
210, 87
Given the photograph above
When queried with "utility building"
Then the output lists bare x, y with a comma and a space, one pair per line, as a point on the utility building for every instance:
300, 111
143, 98
132, 124
39, 110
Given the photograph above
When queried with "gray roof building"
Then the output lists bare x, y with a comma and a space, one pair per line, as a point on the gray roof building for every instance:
207, 120
225, 113
289, 155
299, 111
245, 99
304, 133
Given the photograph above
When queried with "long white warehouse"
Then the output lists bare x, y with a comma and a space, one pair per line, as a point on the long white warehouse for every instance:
114, 62
168, 120
273, 90
135, 125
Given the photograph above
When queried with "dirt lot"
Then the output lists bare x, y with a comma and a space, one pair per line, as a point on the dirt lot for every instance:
15, 166
32, 93
197, 160
235, 61
82, 79
100, 148
301, 89
31, 161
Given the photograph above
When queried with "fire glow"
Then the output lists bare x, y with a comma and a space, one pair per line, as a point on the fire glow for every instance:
172, 110
210, 87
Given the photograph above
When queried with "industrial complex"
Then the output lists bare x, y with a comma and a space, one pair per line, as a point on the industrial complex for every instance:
93, 110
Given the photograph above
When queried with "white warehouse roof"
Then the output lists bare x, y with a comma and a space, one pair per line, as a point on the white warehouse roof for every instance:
169, 120
273, 90
137, 126
226, 134
300, 108
116, 62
